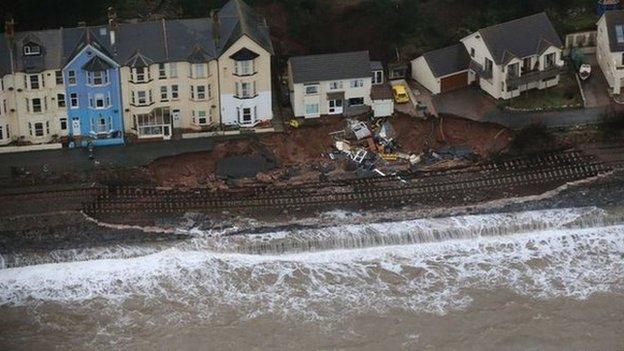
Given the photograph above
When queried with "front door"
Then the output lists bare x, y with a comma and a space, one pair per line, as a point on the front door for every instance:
335, 107
175, 117
166, 132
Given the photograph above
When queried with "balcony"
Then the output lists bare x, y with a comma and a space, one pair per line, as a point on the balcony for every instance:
533, 76
478, 69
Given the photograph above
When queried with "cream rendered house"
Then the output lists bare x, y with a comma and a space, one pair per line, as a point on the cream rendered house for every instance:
331, 84
196, 73
32, 94
504, 60
610, 49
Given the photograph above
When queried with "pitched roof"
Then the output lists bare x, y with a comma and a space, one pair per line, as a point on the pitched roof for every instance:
237, 19
244, 54
376, 66
316, 68
198, 39
612, 19
520, 38
448, 60
96, 64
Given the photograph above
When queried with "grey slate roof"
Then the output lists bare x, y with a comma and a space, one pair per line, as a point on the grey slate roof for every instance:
192, 40
316, 68
448, 60
96, 64
614, 18
376, 66
520, 38
236, 19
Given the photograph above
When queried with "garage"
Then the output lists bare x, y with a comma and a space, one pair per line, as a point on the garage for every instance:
454, 82
442, 70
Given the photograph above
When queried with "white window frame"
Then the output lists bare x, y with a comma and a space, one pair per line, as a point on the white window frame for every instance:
139, 98
175, 92
73, 100
312, 112
245, 68
59, 79
164, 93
97, 98
39, 106
311, 89
199, 70
357, 83
173, 70
71, 77
37, 129
335, 85
162, 71
202, 115
60, 100
37, 81
200, 92
63, 123
32, 50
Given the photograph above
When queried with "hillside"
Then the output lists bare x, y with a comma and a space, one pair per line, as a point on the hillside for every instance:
305, 26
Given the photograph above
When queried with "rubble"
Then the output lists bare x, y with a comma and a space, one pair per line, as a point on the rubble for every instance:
330, 149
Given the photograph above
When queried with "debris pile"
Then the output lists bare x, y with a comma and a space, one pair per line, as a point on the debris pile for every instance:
373, 148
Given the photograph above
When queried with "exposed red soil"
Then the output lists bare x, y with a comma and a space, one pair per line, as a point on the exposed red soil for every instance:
305, 149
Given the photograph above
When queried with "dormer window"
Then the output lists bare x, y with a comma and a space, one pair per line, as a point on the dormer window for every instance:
97, 78
32, 49
199, 70
141, 74
244, 68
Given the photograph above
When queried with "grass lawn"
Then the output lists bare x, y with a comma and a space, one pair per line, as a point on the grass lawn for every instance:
565, 93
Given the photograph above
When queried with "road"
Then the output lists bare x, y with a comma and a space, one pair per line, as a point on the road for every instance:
77, 160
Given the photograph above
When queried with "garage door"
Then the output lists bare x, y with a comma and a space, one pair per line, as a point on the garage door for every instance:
454, 82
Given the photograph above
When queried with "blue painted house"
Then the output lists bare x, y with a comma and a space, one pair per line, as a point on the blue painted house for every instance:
93, 94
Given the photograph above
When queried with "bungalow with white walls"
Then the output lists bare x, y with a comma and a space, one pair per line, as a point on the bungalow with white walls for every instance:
505, 59
610, 49
335, 84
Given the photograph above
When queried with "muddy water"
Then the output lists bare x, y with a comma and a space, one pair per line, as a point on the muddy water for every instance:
555, 284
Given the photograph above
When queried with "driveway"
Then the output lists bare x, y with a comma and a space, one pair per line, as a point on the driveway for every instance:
77, 160
595, 88
474, 104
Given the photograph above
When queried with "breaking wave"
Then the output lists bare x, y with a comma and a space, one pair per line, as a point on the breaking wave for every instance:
570, 252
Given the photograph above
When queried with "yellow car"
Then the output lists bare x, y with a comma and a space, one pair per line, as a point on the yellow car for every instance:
400, 94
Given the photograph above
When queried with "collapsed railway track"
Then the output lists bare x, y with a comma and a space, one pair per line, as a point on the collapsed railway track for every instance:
491, 180
517, 176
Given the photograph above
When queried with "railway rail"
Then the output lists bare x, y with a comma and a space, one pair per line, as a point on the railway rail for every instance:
512, 176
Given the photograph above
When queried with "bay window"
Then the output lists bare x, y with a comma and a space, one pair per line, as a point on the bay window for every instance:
244, 68
97, 78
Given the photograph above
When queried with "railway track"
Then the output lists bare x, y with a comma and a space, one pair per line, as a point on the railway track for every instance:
495, 178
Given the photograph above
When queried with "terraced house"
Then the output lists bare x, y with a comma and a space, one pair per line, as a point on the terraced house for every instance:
156, 79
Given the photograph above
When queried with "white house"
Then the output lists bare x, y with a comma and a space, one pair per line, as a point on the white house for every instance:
504, 60
610, 48
336, 84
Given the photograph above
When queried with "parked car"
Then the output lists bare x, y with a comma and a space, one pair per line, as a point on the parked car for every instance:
400, 94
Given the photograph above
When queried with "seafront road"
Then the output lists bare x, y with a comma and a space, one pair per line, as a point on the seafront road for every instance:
77, 160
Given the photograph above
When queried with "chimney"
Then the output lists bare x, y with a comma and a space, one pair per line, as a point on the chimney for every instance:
215, 27
9, 28
112, 24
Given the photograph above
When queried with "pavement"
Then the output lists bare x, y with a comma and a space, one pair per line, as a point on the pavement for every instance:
77, 160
